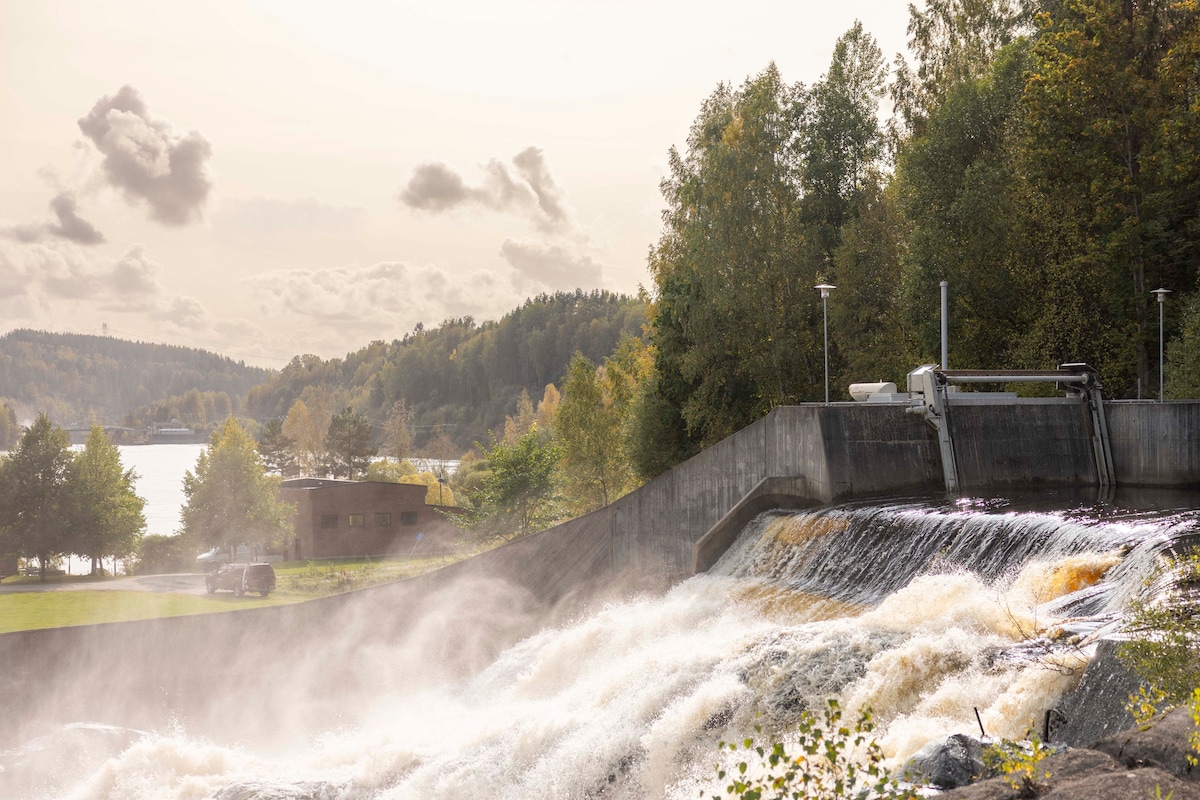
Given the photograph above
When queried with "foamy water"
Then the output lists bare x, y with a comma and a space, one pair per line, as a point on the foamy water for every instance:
631, 701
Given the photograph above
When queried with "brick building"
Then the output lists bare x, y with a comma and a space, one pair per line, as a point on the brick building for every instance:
337, 519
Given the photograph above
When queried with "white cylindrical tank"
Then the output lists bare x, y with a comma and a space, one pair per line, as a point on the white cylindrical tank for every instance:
863, 391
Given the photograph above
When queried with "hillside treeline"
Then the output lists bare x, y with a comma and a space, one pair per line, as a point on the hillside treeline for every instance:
1043, 157
73, 377
460, 379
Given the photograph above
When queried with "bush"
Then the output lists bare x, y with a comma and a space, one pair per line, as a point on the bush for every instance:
830, 759
158, 554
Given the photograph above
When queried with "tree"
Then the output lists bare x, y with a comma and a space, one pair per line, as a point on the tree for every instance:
592, 424
840, 144
518, 491
735, 331
10, 431
523, 422
308, 438
968, 220
348, 445
390, 471
277, 449
397, 436
230, 498
34, 504
589, 432
107, 515
1109, 142
954, 41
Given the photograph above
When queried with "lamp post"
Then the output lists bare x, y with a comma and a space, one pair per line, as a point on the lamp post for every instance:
1161, 294
824, 289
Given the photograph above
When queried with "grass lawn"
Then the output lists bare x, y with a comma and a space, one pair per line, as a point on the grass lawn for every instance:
297, 581
32, 610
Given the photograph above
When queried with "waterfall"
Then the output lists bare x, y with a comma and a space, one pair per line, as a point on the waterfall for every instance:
922, 610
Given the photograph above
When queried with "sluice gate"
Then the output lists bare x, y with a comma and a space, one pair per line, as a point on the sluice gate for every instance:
932, 393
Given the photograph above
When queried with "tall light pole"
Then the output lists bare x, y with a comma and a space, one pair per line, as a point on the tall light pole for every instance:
945, 285
1161, 294
824, 289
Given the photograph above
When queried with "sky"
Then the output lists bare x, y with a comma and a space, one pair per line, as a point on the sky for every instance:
267, 179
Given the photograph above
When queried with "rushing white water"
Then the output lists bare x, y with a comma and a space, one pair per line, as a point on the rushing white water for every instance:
923, 612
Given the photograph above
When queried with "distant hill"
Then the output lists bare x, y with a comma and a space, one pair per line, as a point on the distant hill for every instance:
462, 377
74, 377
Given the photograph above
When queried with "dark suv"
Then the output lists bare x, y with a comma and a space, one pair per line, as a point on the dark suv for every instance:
242, 578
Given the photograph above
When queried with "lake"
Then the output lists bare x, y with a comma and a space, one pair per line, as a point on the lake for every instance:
160, 469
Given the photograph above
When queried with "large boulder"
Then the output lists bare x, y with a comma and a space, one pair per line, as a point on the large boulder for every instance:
1163, 743
947, 763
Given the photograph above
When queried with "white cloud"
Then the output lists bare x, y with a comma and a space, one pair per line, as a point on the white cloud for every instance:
527, 189
380, 301
551, 266
57, 285
145, 158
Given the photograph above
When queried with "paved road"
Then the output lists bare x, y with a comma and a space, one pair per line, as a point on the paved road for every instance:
183, 583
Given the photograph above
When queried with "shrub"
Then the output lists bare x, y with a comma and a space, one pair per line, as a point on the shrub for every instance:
829, 759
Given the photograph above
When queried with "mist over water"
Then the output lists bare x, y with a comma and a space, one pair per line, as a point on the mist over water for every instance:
923, 611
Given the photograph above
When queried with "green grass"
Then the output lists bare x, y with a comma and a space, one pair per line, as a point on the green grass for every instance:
33, 610
297, 581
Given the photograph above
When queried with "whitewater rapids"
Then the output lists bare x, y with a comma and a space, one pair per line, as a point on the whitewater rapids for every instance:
925, 612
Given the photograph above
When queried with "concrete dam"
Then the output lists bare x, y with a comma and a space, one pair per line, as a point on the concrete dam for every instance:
607, 656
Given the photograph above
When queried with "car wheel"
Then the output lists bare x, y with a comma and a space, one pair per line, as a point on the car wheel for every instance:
238, 591
265, 592
211, 589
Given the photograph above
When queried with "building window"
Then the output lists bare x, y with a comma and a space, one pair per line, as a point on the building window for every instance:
329, 520
408, 518
357, 520
383, 520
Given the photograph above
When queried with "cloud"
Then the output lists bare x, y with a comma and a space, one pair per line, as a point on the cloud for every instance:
379, 301
146, 159
553, 266
45, 284
526, 189
70, 226
435, 187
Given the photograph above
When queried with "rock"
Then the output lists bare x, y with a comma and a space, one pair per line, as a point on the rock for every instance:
1161, 744
1054, 771
947, 763
1097, 707
1143, 763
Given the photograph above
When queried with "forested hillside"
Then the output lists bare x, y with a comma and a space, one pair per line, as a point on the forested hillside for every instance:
73, 377
462, 378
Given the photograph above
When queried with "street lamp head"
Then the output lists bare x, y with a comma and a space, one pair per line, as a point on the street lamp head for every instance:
1161, 294
824, 289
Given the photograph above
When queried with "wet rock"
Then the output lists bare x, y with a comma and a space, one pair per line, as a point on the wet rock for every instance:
1097, 707
947, 763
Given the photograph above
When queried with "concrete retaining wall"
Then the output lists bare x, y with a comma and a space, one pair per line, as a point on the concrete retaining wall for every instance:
1155, 444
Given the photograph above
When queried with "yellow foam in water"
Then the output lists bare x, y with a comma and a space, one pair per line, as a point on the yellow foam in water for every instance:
799, 529
1046, 582
780, 604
